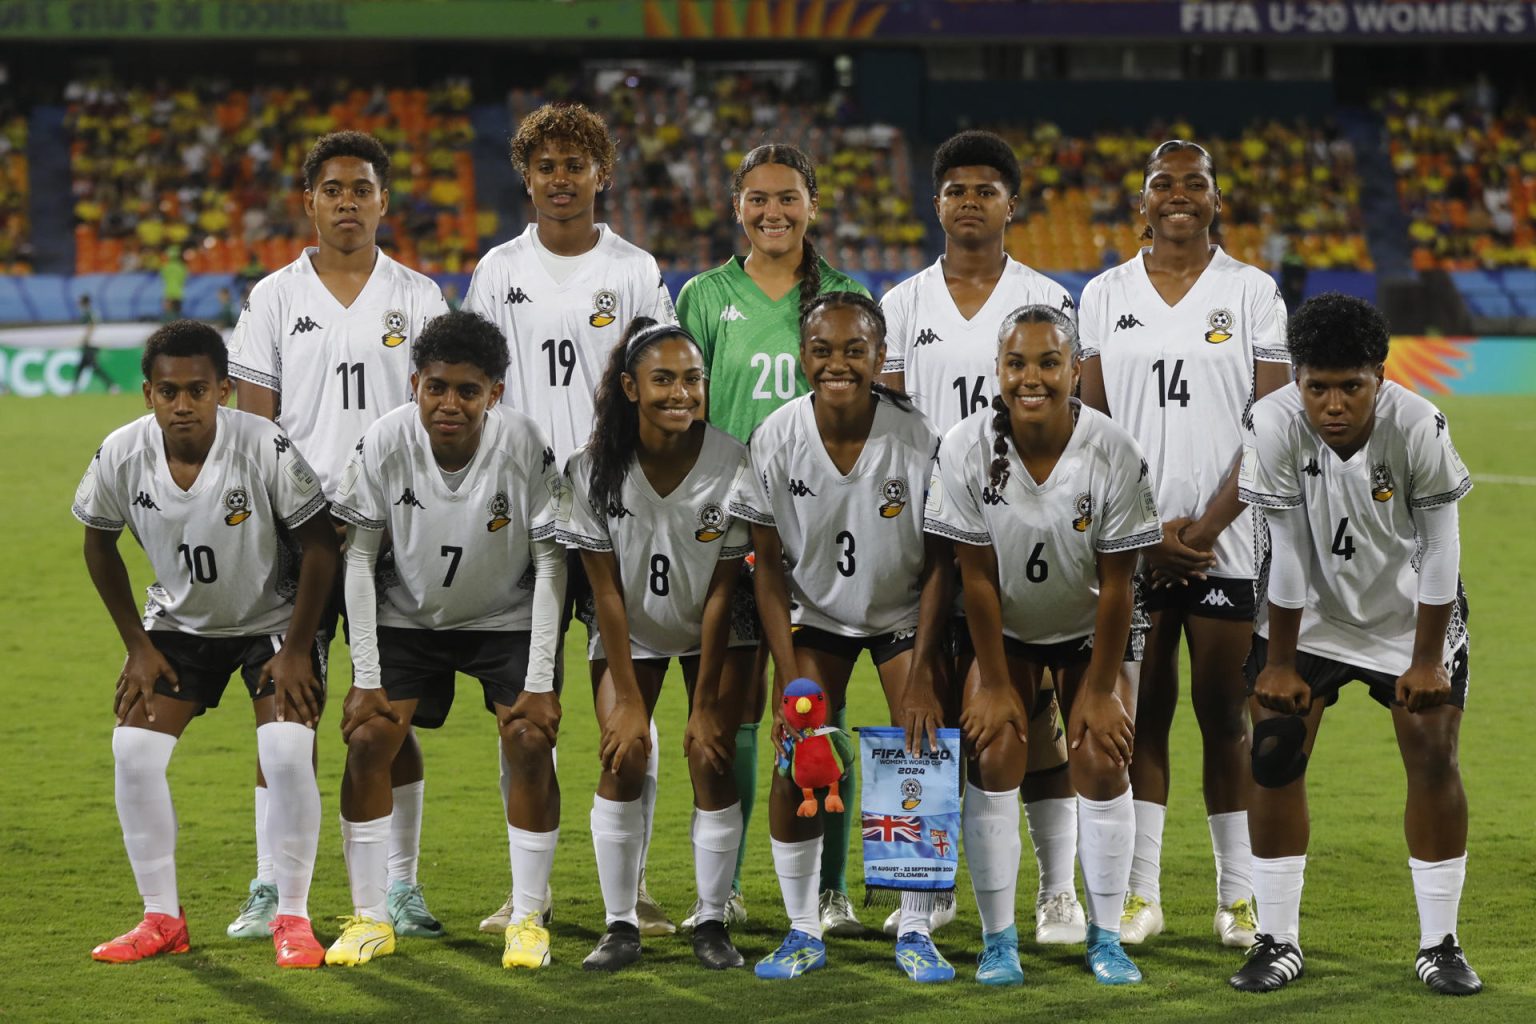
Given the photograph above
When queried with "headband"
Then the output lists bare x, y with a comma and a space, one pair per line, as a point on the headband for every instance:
649, 334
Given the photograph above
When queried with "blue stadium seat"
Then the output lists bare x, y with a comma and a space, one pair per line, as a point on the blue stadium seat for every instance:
1490, 304
1525, 304
49, 298
1520, 282
13, 304
1476, 282
202, 299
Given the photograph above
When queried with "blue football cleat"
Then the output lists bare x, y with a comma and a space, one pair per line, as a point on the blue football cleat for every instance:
915, 954
1107, 959
999, 960
797, 954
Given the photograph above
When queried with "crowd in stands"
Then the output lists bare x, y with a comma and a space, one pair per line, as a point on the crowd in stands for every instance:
15, 230
1466, 176
214, 172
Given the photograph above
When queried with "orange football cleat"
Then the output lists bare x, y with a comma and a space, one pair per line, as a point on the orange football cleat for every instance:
156, 934
295, 942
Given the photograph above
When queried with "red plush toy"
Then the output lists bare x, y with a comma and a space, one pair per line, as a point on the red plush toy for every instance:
815, 753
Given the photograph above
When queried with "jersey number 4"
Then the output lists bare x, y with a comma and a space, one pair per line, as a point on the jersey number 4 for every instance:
1175, 388
1343, 543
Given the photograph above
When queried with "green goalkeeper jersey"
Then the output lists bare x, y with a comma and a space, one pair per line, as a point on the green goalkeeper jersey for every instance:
751, 344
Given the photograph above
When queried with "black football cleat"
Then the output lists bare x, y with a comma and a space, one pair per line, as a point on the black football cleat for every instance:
1445, 970
1271, 966
618, 948
712, 945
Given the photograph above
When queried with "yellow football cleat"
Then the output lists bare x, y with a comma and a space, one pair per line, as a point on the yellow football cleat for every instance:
527, 944
361, 940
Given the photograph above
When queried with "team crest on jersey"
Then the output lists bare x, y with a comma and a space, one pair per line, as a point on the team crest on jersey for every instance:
1220, 323
499, 509
1083, 503
394, 329
711, 523
911, 794
238, 502
1381, 482
894, 491
604, 304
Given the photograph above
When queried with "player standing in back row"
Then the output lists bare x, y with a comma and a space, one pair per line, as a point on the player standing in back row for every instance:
323, 347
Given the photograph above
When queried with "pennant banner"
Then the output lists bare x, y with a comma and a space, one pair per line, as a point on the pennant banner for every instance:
911, 817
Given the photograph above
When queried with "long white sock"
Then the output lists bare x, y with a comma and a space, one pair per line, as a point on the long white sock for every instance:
264, 870
533, 858
1234, 856
989, 823
1147, 861
618, 837
798, 866
1277, 883
648, 795
287, 750
405, 832
716, 842
365, 845
1053, 831
1437, 887
1107, 838
140, 758
913, 917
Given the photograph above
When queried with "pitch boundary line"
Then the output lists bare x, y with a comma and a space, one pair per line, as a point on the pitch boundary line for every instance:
1500, 478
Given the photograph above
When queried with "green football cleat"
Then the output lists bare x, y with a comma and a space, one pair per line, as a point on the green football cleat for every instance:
256, 913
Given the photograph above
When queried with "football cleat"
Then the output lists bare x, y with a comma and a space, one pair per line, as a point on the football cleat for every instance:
797, 954
1140, 920
837, 917
618, 948
1271, 965
653, 920
1059, 920
255, 918
409, 914
497, 923
1445, 970
527, 944
1236, 926
156, 934
295, 942
735, 913
936, 920
999, 960
917, 955
712, 945
1107, 960
361, 939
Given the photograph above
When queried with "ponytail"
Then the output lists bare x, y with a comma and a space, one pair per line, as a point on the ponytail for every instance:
810, 276
1001, 430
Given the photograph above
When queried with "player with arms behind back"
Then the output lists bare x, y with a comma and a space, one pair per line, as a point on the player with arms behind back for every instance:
216, 498
1360, 482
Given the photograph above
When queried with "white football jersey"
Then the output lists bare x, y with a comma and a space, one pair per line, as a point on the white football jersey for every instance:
1048, 536
457, 559
335, 369
1362, 602
853, 544
560, 335
1180, 379
666, 548
224, 564
951, 362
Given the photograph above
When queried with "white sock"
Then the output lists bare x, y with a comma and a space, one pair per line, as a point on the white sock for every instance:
264, 870
1107, 838
140, 758
798, 866
287, 751
365, 844
913, 919
716, 842
1234, 856
533, 858
648, 796
1053, 831
405, 832
1437, 887
989, 824
1147, 862
618, 837
1277, 885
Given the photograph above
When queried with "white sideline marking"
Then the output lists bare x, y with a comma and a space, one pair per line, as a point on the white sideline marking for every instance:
1498, 478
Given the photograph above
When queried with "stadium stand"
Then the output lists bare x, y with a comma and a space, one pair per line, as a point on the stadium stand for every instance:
15, 223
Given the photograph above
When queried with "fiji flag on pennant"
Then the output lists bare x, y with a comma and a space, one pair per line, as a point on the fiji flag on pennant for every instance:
911, 817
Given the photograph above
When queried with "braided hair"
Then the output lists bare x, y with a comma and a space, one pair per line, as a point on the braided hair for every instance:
1179, 146
874, 318
1002, 429
796, 160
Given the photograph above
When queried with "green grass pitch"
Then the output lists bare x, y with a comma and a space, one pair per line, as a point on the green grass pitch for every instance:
67, 886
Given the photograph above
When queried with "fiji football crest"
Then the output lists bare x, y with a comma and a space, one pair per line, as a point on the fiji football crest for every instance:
911, 794
394, 329
1083, 505
711, 523
238, 502
604, 304
1220, 323
894, 491
1381, 482
499, 508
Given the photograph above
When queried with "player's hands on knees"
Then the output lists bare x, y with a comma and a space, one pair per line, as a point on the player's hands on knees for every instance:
625, 729
705, 735
294, 686
1280, 688
1100, 719
540, 710
989, 715
144, 667
1172, 562
361, 705
1424, 687
920, 713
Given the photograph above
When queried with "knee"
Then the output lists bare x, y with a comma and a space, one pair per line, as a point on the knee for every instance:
631, 770
525, 745
372, 747
1222, 715
1433, 764
1095, 775
1001, 766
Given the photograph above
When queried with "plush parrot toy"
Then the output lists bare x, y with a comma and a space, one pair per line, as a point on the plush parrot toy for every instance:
815, 754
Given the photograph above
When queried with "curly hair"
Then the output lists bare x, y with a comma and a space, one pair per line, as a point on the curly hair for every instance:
1334, 331
182, 339
356, 144
570, 122
977, 149
795, 159
462, 337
